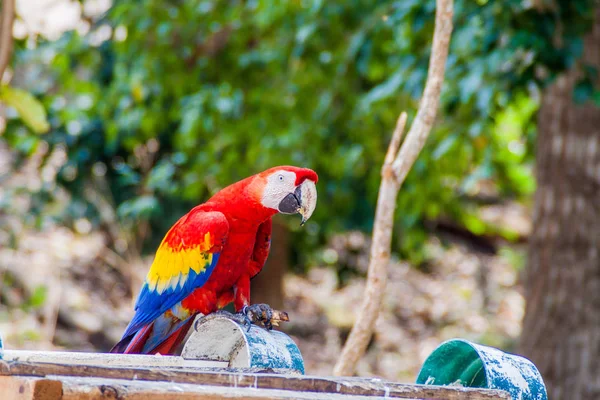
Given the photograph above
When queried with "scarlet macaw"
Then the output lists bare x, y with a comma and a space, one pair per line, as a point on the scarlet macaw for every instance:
206, 260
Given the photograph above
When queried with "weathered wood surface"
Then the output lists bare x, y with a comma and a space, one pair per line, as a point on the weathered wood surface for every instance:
126, 383
25, 388
108, 359
73, 388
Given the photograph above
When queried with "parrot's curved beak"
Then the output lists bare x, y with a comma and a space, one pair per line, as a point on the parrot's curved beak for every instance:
303, 201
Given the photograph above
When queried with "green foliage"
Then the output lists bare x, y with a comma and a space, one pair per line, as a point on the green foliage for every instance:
515, 257
170, 101
141, 207
37, 298
30, 110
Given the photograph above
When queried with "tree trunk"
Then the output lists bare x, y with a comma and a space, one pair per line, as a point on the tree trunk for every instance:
561, 330
267, 286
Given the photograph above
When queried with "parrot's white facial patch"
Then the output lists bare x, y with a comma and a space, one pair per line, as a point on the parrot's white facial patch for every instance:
282, 194
279, 184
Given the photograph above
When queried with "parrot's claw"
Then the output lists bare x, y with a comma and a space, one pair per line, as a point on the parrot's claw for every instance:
240, 318
237, 317
247, 321
259, 313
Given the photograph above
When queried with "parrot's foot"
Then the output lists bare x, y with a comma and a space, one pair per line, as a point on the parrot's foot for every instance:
260, 313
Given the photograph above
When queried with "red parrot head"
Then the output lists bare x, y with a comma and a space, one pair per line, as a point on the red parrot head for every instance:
289, 190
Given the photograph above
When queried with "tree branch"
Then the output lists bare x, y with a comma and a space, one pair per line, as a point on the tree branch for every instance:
6, 28
419, 130
395, 141
394, 171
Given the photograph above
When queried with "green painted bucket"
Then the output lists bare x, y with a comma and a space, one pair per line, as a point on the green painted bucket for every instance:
460, 362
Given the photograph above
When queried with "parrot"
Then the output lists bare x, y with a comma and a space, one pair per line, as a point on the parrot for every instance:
208, 257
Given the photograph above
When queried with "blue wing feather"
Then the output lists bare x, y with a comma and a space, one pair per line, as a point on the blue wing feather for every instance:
150, 305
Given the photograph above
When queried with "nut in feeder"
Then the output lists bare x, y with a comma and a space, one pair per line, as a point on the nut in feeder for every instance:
219, 338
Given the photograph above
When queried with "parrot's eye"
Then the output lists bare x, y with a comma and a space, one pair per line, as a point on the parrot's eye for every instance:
280, 177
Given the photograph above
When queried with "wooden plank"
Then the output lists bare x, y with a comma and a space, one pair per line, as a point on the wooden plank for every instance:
75, 388
108, 359
99, 388
27, 388
299, 383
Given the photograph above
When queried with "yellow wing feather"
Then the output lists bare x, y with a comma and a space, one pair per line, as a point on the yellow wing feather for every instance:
171, 266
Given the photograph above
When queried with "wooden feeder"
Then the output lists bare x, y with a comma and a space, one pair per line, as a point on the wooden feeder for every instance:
221, 359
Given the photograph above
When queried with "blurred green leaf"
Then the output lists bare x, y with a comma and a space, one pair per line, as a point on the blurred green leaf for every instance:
583, 91
37, 298
444, 146
139, 208
30, 110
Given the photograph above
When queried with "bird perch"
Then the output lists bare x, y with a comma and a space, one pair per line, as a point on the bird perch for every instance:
396, 166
